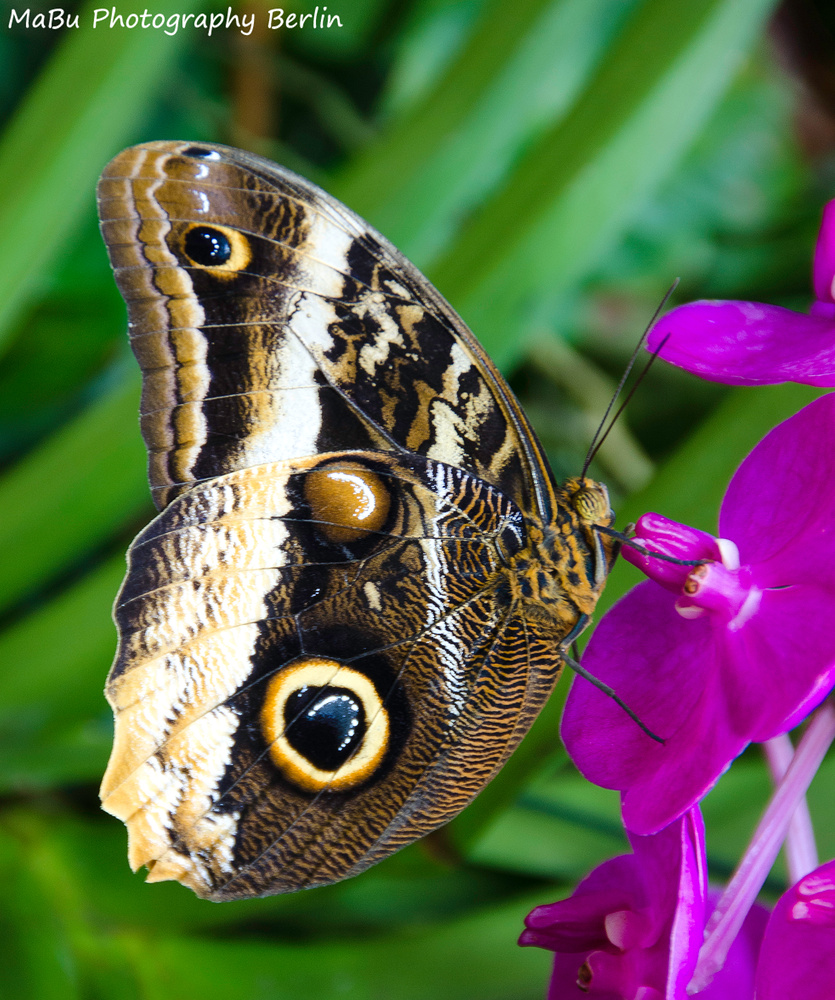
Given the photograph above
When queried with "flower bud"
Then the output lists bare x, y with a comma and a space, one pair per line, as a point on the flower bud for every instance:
660, 535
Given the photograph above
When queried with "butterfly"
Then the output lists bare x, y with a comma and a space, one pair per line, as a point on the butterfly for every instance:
363, 578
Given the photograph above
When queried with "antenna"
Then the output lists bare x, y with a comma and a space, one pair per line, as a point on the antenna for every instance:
600, 435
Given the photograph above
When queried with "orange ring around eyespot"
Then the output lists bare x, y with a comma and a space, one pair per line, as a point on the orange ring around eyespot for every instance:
322, 672
239, 258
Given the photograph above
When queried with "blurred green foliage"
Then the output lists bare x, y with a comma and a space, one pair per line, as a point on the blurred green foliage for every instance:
552, 165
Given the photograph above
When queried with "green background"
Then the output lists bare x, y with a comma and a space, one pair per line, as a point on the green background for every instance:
552, 165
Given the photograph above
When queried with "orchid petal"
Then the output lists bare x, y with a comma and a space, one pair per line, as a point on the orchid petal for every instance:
747, 343
669, 671
756, 651
699, 687
634, 926
781, 664
780, 505
797, 960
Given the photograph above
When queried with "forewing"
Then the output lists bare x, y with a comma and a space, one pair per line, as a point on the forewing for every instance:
272, 323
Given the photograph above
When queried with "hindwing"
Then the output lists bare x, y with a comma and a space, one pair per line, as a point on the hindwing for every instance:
297, 697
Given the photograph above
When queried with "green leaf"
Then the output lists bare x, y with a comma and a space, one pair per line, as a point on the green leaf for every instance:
575, 192
560, 828
37, 957
81, 486
86, 104
471, 959
58, 903
411, 889
522, 67
54, 722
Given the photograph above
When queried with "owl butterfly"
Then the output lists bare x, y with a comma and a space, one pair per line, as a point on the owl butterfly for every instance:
363, 579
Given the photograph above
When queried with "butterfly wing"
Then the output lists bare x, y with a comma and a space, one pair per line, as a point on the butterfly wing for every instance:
298, 696
271, 322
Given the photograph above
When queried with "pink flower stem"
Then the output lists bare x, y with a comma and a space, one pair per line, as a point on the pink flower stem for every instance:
800, 849
740, 893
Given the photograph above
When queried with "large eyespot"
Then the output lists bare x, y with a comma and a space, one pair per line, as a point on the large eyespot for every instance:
325, 724
347, 501
219, 249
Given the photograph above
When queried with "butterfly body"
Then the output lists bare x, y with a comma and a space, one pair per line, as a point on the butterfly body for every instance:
362, 580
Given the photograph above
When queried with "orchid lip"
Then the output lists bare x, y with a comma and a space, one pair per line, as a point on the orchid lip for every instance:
748, 609
715, 587
667, 551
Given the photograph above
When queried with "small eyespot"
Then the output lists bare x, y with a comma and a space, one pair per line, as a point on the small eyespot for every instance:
201, 154
221, 250
207, 247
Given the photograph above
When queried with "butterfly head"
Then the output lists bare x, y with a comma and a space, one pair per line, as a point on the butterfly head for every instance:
590, 500
560, 570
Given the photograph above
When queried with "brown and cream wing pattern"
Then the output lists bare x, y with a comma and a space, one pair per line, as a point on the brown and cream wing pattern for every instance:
250, 621
271, 322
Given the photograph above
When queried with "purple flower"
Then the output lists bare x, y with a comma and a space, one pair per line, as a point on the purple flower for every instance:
713, 656
735, 980
798, 952
633, 927
749, 343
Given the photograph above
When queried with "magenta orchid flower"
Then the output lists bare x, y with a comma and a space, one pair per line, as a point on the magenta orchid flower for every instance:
736, 649
634, 926
750, 343
798, 952
736, 979
730, 641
